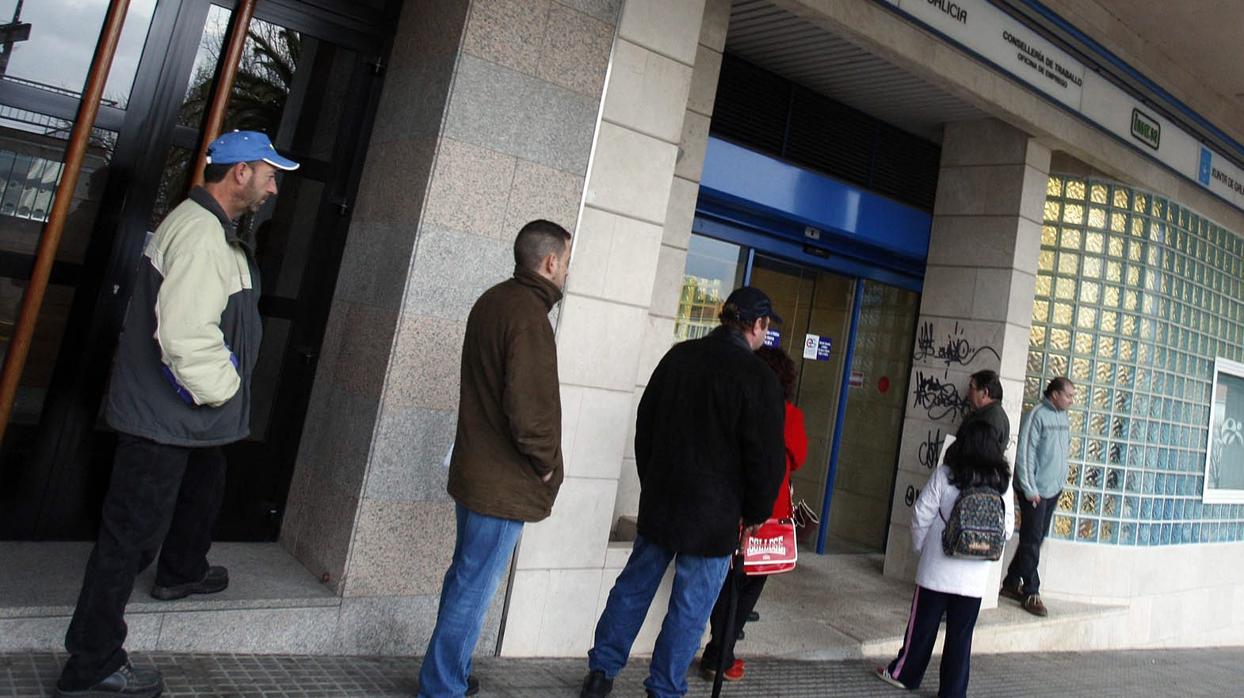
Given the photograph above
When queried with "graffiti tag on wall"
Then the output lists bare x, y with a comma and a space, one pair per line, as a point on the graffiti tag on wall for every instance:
930, 449
955, 350
939, 399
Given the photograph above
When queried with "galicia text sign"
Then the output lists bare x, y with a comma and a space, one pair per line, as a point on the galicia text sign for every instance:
1014, 48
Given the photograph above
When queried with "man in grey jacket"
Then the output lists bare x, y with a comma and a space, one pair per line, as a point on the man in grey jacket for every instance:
180, 389
1040, 471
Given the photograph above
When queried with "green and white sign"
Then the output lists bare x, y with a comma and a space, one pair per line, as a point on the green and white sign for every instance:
1146, 129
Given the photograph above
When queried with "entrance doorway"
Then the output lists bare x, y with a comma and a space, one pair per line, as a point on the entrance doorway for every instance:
310, 76
852, 378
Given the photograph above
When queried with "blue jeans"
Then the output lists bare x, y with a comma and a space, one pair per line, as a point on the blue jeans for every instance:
481, 553
697, 581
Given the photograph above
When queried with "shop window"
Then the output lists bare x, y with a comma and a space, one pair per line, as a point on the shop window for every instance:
1140, 301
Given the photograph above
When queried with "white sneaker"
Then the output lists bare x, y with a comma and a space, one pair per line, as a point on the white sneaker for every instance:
884, 674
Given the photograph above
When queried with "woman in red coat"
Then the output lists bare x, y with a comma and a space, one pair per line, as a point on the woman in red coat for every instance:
750, 587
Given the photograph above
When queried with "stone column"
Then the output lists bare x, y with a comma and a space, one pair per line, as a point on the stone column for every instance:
617, 319
486, 122
976, 307
676, 232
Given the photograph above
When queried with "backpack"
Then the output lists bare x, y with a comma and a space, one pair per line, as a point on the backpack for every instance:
976, 529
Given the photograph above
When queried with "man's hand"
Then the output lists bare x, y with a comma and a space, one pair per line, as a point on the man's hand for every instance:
751, 530
1034, 500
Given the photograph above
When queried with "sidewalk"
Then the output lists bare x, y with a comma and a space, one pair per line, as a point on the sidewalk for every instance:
1185, 673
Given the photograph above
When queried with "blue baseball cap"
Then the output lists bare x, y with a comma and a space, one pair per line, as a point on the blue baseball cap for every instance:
246, 146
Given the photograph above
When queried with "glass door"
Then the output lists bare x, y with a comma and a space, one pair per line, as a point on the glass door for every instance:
312, 83
873, 426
860, 407
816, 306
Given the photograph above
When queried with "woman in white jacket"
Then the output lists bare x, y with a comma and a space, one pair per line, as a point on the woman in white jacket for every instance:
948, 585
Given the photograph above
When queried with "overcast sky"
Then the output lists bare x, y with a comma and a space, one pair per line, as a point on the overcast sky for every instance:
62, 40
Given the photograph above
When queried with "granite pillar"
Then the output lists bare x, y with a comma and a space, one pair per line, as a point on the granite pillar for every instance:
486, 122
976, 307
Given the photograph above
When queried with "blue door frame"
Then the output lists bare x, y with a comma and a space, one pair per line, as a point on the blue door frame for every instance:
812, 220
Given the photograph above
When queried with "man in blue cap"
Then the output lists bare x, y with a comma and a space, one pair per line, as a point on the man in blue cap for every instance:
180, 390
711, 457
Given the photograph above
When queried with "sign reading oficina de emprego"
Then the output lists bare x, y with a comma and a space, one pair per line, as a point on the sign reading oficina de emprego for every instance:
1019, 51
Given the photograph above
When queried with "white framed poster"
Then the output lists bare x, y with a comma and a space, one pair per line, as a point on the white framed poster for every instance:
1224, 451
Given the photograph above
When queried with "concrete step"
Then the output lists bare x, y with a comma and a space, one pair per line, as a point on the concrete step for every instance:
272, 605
1071, 626
836, 607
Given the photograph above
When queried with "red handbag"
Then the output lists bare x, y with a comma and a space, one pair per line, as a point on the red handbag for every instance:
770, 549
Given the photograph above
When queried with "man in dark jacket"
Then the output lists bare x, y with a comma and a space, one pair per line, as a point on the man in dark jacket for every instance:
180, 389
710, 456
985, 398
506, 465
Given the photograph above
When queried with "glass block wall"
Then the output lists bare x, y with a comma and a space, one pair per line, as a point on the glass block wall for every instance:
1136, 296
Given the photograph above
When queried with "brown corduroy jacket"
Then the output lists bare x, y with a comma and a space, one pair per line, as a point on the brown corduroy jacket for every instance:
509, 413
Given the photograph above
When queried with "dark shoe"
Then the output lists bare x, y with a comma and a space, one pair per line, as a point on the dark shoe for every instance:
126, 681
595, 685
753, 617
1033, 605
472, 686
216, 579
1013, 592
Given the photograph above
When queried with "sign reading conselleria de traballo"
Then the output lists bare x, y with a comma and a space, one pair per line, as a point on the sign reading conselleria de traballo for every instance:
999, 38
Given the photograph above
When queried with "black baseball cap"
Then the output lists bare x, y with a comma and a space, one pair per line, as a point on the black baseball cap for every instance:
753, 303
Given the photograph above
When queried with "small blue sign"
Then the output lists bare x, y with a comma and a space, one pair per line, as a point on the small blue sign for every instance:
773, 338
1206, 165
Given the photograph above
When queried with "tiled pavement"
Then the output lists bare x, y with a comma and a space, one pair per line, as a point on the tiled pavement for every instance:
1184, 673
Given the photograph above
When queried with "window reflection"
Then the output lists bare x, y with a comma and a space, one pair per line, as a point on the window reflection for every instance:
714, 269
57, 54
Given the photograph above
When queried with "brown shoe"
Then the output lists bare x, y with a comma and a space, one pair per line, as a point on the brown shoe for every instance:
1033, 605
1015, 593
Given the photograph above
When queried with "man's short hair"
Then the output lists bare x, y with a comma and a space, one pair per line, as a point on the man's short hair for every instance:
537, 240
988, 381
215, 172
1057, 385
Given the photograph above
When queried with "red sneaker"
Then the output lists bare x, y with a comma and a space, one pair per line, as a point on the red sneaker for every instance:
734, 673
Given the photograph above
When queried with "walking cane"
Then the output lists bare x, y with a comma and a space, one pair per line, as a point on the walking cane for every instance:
730, 635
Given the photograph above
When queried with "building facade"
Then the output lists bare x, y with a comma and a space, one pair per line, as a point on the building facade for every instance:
925, 188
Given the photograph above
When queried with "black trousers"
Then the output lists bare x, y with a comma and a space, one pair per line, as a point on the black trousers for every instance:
160, 499
927, 608
1034, 523
723, 638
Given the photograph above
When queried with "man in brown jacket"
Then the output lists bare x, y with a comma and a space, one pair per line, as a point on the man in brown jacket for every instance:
506, 466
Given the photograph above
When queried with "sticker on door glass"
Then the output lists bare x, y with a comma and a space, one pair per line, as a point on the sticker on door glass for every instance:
773, 338
816, 347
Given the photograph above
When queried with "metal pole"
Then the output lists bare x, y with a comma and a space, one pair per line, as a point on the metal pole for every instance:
45, 255
239, 26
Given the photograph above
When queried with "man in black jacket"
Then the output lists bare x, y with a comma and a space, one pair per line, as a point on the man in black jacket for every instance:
985, 399
708, 448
